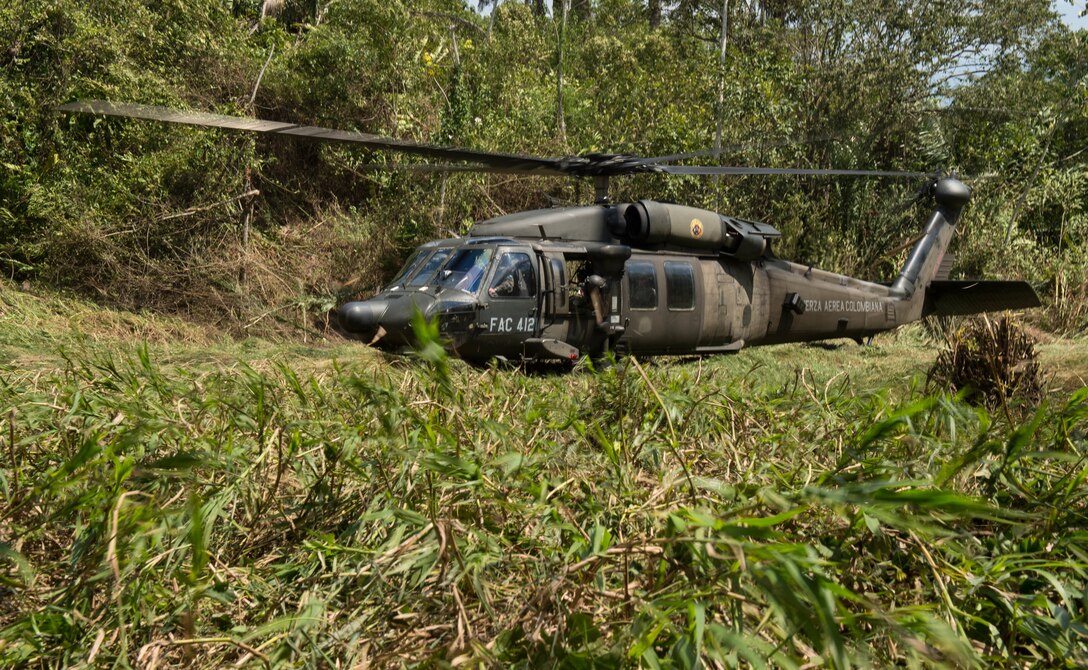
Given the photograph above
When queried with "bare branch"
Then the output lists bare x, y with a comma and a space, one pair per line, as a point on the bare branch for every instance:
196, 210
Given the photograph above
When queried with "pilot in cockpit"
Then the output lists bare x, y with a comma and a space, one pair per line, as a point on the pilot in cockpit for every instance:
512, 277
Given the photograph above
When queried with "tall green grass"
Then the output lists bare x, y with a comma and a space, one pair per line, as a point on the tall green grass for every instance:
160, 511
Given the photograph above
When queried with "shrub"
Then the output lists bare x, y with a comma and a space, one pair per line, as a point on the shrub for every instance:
991, 363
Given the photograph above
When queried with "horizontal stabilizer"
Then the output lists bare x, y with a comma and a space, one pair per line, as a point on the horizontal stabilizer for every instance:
954, 298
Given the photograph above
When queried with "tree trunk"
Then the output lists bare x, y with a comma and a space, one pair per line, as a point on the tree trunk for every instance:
653, 11
721, 77
721, 93
560, 117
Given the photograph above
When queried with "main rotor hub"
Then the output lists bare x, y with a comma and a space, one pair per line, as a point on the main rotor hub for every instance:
602, 166
605, 165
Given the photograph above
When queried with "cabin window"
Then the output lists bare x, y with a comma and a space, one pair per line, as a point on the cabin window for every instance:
642, 285
680, 285
514, 277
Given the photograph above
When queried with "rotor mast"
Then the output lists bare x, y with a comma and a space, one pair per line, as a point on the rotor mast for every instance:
600, 190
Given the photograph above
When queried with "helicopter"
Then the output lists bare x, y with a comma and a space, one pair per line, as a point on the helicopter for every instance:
644, 278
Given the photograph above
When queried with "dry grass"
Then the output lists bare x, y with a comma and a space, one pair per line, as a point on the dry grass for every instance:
990, 361
262, 504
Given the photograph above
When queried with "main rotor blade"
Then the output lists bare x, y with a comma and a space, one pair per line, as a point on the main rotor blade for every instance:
672, 158
588, 165
439, 167
714, 169
512, 163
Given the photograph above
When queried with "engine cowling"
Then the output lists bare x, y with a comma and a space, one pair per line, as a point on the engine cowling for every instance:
656, 225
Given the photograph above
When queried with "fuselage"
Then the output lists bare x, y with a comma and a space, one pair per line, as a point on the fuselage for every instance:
651, 278
535, 293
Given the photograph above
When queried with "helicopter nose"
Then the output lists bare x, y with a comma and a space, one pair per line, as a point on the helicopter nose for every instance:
363, 316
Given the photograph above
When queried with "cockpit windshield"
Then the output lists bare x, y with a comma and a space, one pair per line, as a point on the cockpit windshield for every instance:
411, 266
466, 270
428, 268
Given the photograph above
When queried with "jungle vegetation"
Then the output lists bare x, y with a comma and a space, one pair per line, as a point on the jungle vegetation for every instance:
195, 471
142, 216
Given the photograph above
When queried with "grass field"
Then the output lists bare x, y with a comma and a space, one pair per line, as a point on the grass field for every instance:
171, 497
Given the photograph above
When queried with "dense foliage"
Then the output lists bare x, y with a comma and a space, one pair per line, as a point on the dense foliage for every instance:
147, 216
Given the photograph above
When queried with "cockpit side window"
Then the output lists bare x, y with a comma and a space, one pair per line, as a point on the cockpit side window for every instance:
466, 270
514, 277
428, 269
558, 284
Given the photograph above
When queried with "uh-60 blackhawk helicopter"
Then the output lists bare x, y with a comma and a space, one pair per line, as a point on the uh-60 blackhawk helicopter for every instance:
645, 278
